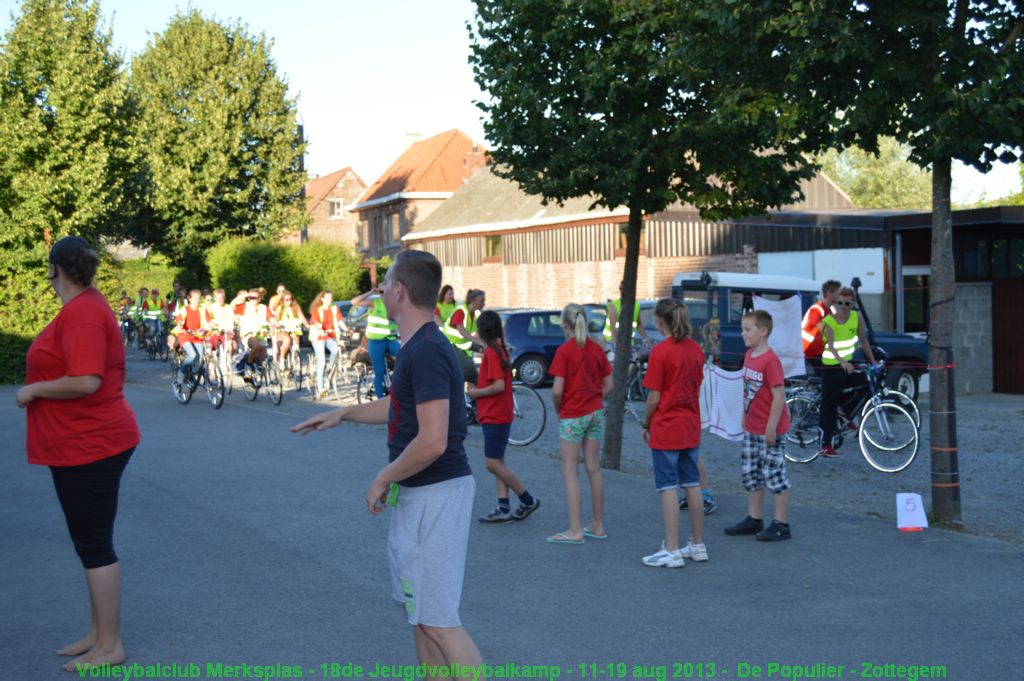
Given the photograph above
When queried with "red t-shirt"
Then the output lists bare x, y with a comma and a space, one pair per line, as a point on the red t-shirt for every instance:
495, 408
760, 375
193, 320
583, 370
814, 345
458, 317
82, 340
326, 319
676, 370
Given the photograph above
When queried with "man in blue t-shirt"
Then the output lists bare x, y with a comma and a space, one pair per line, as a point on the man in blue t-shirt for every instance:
427, 479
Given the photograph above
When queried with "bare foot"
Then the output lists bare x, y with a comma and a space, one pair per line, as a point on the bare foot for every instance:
79, 647
97, 657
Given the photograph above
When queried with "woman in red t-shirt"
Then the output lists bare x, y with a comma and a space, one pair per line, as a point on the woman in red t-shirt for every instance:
493, 395
193, 321
80, 425
671, 426
583, 378
324, 325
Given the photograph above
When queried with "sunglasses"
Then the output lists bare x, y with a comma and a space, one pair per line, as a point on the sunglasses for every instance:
844, 303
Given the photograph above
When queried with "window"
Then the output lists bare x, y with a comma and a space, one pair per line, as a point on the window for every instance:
337, 209
623, 239
394, 229
545, 326
492, 248
364, 234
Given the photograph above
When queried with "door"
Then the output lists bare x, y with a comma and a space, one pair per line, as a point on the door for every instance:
1007, 359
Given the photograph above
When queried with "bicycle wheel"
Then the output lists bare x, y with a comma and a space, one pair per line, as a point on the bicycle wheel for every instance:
164, 352
251, 383
272, 380
900, 398
888, 438
214, 384
804, 432
635, 390
529, 415
227, 372
182, 391
150, 348
364, 385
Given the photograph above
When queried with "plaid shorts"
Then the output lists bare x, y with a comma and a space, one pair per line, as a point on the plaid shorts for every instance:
763, 466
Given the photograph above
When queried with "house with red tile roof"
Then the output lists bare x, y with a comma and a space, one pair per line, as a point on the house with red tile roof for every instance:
425, 176
329, 201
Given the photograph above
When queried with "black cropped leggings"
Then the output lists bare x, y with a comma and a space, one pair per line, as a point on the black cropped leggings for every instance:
88, 497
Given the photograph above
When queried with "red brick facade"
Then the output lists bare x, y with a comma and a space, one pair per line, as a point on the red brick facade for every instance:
328, 200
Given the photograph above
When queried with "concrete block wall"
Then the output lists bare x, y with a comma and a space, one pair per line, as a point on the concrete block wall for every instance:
972, 338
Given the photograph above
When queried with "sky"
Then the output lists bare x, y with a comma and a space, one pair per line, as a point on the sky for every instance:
368, 75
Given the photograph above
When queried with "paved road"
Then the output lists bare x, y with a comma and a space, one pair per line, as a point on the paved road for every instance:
244, 544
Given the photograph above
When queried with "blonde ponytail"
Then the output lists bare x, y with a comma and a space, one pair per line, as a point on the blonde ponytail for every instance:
575, 317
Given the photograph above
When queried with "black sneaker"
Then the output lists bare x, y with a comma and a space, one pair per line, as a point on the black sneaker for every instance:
523, 512
496, 516
774, 532
746, 526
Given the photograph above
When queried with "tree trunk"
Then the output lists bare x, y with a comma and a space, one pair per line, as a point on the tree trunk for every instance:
942, 396
623, 340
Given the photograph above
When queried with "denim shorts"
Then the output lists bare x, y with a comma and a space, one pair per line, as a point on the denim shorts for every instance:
496, 439
589, 427
675, 468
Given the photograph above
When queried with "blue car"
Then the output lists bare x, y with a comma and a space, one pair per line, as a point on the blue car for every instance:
533, 337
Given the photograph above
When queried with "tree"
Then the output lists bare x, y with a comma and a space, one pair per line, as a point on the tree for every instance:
68, 160
942, 77
221, 138
601, 98
883, 180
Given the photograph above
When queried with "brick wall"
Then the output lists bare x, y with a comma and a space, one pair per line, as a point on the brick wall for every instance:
554, 285
972, 338
344, 230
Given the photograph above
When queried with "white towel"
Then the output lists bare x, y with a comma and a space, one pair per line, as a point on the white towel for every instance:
785, 339
721, 403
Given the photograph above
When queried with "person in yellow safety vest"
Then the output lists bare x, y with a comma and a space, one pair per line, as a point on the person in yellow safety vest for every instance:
381, 337
445, 305
842, 331
611, 322
461, 331
154, 313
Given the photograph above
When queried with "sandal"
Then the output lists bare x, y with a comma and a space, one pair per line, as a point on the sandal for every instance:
562, 538
587, 532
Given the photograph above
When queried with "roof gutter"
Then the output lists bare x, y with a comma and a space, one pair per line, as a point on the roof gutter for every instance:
514, 225
401, 196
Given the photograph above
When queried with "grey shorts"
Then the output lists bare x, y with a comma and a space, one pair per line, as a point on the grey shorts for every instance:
427, 539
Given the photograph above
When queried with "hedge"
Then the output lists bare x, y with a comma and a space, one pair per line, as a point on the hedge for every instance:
304, 269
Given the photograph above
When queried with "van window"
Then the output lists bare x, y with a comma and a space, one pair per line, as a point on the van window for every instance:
742, 302
545, 326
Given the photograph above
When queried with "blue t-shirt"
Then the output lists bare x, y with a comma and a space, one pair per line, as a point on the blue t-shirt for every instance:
426, 369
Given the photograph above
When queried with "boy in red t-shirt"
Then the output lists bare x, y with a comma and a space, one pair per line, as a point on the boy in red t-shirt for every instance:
493, 395
765, 420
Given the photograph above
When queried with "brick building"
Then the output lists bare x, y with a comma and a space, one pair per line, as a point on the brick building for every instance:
329, 200
424, 177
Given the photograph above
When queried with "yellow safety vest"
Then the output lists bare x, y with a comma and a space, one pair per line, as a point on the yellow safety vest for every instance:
453, 334
844, 339
378, 326
618, 315
446, 310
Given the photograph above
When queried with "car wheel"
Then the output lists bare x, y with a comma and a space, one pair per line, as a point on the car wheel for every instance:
532, 370
904, 381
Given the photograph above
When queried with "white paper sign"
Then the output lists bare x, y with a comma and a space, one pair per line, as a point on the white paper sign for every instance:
910, 516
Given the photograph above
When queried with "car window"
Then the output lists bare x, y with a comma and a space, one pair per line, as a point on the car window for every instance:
545, 326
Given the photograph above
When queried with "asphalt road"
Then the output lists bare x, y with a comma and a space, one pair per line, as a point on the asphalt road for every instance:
243, 544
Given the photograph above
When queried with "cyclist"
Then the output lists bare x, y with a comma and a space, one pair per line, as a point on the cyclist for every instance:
445, 305
222, 321
137, 316
841, 331
461, 331
275, 299
381, 334
324, 327
192, 321
290, 321
253, 328
154, 314
810, 329
611, 322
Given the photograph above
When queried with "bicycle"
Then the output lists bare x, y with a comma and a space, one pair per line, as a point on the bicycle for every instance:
529, 415
365, 380
208, 373
886, 432
263, 374
127, 330
636, 393
810, 387
292, 366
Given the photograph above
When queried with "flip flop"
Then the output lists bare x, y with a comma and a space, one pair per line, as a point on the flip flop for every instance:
587, 532
561, 538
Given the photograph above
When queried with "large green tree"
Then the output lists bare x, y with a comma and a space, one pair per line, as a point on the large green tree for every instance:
886, 179
221, 137
942, 76
68, 162
604, 99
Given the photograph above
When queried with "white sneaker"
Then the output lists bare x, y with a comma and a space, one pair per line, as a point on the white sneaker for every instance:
664, 558
695, 552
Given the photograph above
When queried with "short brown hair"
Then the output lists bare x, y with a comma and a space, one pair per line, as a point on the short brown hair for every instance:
830, 286
420, 273
761, 319
847, 292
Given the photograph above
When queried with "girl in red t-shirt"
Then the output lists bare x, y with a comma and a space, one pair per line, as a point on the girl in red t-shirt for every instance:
583, 378
493, 395
324, 324
193, 321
